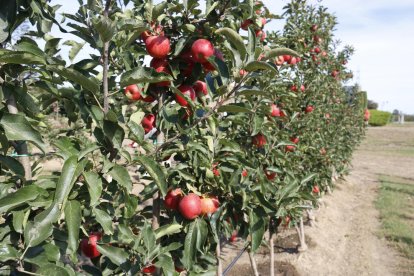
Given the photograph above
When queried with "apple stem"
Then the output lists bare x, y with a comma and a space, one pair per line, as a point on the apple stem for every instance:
20, 147
253, 263
105, 64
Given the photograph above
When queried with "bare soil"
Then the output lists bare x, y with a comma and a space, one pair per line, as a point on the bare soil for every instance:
345, 239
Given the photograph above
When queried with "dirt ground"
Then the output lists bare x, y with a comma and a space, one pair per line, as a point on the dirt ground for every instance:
345, 239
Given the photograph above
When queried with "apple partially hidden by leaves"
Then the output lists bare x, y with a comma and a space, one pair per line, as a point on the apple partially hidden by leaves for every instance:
132, 92
88, 245
173, 198
186, 90
209, 205
259, 140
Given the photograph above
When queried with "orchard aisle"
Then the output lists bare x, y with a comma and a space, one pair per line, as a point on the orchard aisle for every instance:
345, 237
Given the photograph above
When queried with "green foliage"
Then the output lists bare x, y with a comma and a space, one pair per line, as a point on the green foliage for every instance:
379, 118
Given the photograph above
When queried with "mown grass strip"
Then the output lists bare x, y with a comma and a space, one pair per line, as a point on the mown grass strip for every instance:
396, 205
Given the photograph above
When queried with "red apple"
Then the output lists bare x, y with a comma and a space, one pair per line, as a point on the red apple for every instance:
294, 140
293, 88
315, 189
309, 109
290, 148
233, 237
148, 269
259, 140
88, 245
261, 34
173, 198
186, 90
314, 28
132, 92
302, 88
201, 50
317, 50
209, 206
148, 122
287, 58
158, 46
293, 61
274, 111
244, 173
190, 206
367, 115
246, 23
279, 60
148, 99
270, 175
200, 88
263, 21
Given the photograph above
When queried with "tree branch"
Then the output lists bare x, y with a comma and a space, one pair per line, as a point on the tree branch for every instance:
105, 63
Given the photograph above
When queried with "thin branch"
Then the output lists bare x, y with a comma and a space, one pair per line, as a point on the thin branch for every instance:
105, 63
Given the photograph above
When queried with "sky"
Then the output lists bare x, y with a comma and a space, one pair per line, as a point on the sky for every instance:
382, 33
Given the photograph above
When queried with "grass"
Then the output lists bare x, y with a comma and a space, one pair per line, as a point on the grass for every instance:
396, 205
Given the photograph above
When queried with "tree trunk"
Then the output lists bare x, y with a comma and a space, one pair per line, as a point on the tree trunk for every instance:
272, 253
253, 263
219, 264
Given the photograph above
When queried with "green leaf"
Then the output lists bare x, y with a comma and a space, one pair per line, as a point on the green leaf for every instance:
70, 173
18, 220
121, 175
117, 255
20, 57
114, 133
233, 109
155, 172
90, 84
75, 48
73, 217
94, 183
143, 75
19, 198
52, 269
252, 92
8, 253
104, 219
37, 232
307, 178
105, 27
148, 237
12, 164
259, 65
257, 228
8, 13
165, 262
252, 44
167, 230
18, 128
235, 39
280, 52
194, 240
